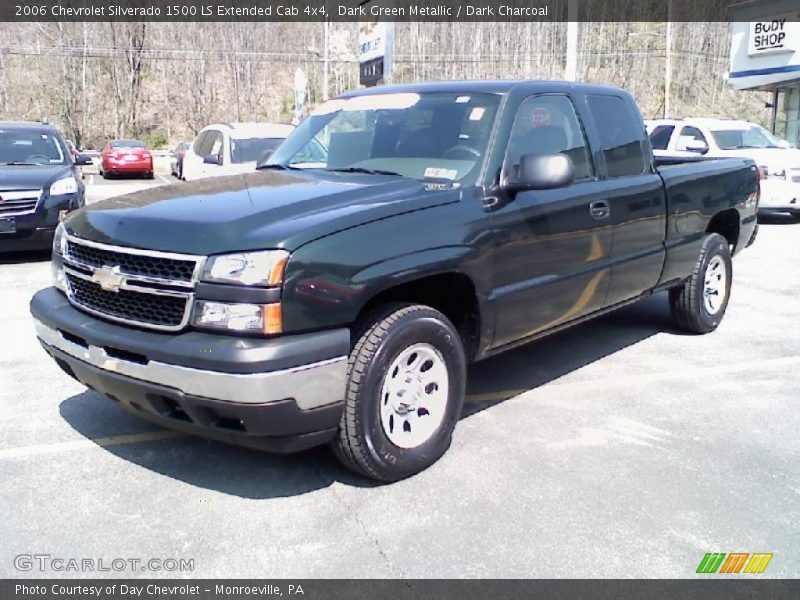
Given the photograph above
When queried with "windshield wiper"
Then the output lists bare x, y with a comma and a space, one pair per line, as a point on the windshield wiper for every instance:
279, 166
19, 163
364, 170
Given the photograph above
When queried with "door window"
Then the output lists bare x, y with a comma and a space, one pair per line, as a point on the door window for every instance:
689, 135
548, 124
621, 135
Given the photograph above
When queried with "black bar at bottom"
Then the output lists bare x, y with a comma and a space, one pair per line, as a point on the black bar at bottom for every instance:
734, 588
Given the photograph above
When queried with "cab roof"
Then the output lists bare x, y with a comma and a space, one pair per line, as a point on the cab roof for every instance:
498, 86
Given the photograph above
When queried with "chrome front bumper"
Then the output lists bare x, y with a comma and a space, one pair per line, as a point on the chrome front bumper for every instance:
312, 386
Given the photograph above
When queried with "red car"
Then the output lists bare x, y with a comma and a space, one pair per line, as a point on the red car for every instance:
126, 157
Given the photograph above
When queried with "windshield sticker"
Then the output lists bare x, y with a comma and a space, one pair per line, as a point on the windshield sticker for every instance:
462, 99
439, 173
540, 117
476, 114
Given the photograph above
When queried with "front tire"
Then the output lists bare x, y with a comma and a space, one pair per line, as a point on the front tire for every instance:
699, 305
405, 390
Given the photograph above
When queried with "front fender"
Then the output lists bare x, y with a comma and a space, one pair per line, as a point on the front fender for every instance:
330, 280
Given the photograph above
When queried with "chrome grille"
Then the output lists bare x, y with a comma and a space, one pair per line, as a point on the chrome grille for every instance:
132, 264
18, 202
141, 287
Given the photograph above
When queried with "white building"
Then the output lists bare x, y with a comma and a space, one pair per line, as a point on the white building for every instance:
765, 55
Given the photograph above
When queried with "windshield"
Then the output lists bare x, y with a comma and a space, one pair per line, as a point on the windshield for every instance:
750, 137
252, 149
434, 135
30, 147
127, 144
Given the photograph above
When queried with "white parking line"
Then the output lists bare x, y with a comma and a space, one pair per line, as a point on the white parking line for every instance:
164, 179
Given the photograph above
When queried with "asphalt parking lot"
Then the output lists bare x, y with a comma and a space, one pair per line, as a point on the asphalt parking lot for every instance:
620, 448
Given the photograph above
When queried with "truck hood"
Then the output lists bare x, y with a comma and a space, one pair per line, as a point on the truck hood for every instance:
257, 210
29, 177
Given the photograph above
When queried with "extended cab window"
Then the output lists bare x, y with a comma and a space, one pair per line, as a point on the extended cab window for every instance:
660, 136
428, 136
621, 135
549, 125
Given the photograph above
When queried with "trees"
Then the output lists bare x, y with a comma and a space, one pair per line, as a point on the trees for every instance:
98, 80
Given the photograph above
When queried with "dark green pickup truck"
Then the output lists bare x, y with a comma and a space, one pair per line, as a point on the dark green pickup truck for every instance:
338, 293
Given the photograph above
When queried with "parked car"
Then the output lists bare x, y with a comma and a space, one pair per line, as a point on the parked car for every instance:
231, 148
39, 183
126, 157
176, 161
338, 293
779, 163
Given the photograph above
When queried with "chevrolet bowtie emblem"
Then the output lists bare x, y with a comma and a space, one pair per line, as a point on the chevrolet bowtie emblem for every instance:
109, 278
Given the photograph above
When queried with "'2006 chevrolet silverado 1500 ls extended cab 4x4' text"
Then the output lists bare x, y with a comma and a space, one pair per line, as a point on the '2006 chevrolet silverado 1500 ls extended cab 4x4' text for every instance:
338, 293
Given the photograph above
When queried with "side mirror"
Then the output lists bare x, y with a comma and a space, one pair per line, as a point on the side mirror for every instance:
83, 159
697, 147
213, 159
542, 172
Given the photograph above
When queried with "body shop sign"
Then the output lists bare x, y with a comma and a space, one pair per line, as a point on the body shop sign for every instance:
773, 37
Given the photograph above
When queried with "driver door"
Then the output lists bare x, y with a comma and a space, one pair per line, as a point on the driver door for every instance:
553, 246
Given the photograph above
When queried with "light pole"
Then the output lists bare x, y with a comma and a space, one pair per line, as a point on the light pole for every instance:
571, 66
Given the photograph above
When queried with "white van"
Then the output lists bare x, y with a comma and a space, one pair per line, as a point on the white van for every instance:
230, 148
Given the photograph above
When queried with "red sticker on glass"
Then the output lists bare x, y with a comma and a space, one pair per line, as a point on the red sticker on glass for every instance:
540, 117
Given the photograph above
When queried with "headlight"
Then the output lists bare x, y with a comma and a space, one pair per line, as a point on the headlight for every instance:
773, 172
254, 318
249, 268
65, 185
60, 240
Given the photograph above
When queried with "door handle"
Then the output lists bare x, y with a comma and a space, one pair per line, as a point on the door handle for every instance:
600, 210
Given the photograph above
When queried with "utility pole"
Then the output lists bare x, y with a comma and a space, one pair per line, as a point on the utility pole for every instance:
571, 66
325, 60
668, 65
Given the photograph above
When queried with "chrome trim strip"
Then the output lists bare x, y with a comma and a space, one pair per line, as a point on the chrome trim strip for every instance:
126, 286
68, 260
313, 385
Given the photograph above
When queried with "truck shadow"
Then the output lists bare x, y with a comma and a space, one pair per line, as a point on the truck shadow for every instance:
251, 474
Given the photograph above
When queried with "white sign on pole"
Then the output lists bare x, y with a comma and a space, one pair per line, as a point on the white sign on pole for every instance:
300, 89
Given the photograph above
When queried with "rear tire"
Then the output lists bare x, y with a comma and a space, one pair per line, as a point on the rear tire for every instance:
699, 305
405, 390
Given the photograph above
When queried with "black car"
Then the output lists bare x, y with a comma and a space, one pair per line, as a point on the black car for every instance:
39, 181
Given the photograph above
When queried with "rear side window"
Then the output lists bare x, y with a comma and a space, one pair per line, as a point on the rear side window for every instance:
660, 136
548, 124
621, 135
